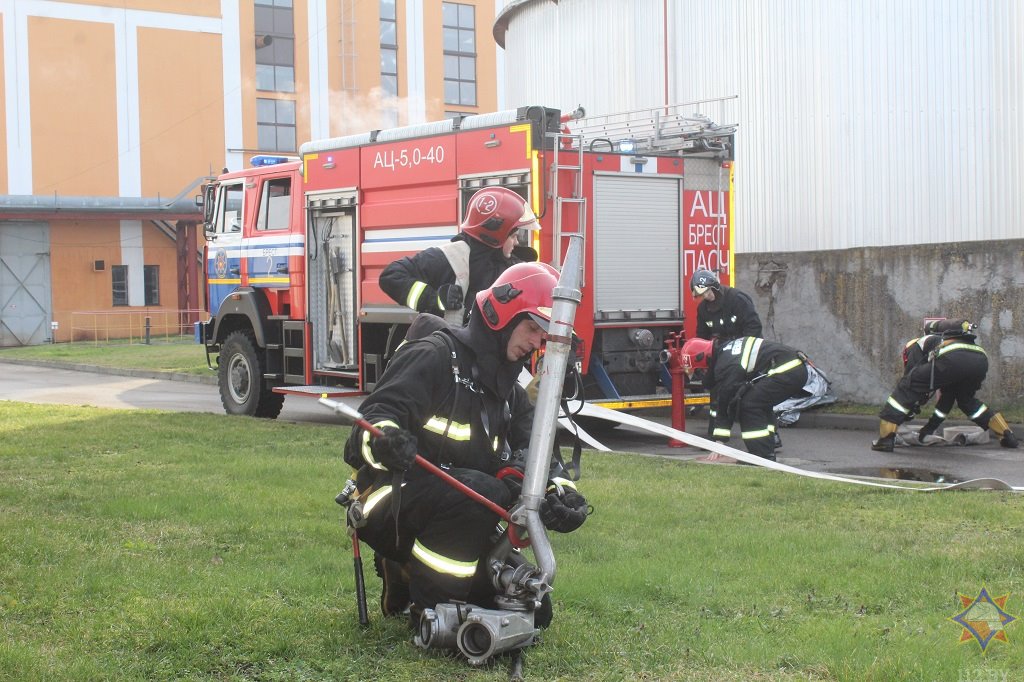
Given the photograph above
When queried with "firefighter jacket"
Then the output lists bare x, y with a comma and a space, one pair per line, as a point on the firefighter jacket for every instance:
729, 316
414, 281
735, 364
465, 411
932, 346
954, 365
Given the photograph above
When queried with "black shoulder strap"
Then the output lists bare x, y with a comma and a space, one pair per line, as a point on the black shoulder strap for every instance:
449, 343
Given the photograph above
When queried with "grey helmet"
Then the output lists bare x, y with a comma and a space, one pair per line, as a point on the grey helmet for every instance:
702, 280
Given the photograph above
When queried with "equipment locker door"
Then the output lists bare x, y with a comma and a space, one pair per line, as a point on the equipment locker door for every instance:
331, 283
24, 283
637, 253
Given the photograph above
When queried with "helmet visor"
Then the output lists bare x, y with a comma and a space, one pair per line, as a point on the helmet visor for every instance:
528, 221
542, 316
699, 291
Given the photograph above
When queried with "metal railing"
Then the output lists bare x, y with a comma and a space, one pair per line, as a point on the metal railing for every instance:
686, 127
133, 326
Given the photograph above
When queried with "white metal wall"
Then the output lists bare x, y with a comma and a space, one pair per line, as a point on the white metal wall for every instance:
862, 122
603, 54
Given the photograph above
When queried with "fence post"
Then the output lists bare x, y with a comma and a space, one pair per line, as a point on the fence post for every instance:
147, 330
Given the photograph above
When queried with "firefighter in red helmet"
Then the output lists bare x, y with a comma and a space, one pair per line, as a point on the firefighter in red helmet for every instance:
452, 397
749, 375
444, 280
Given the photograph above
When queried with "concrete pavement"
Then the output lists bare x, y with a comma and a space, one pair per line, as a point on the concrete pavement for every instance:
820, 441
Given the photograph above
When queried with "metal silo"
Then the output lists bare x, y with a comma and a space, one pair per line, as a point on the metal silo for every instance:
879, 155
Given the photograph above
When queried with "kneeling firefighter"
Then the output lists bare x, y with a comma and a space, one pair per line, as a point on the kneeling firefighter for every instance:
452, 397
750, 376
945, 359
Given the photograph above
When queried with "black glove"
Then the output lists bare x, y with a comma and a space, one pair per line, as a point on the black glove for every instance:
565, 513
451, 296
396, 449
929, 428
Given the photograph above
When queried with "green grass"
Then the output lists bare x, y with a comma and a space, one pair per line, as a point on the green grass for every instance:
141, 545
160, 356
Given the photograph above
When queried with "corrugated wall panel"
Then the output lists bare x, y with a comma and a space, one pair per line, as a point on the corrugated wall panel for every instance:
862, 122
569, 54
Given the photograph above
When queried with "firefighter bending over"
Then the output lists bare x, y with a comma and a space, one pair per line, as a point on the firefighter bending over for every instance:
724, 313
946, 359
750, 376
452, 396
444, 280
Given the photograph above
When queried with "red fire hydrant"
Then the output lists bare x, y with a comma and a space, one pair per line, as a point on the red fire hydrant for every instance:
677, 366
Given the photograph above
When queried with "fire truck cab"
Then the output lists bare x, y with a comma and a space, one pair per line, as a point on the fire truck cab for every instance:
295, 246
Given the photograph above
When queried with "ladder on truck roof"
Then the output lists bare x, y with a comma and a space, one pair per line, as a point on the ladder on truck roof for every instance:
681, 128
571, 145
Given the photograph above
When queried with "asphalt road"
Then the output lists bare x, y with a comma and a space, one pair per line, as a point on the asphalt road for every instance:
820, 442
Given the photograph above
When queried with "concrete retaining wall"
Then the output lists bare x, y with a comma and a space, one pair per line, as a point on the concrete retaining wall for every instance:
853, 310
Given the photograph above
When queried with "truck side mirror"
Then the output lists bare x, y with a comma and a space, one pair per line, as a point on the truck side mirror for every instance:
208, 201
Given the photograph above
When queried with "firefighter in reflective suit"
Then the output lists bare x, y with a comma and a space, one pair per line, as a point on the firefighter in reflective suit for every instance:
749, 375
444, 280
946, 359
453, 397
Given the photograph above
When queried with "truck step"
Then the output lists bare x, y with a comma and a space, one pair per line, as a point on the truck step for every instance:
319, 391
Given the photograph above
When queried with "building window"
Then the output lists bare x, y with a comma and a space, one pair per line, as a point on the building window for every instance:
275, 125
151, 277
119, 284
459, 28
275, 45
388, 48
388, 62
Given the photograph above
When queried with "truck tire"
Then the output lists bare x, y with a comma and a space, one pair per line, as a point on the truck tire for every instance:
240, 378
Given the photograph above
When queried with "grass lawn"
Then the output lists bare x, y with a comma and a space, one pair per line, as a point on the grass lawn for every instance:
176, 355
142, 545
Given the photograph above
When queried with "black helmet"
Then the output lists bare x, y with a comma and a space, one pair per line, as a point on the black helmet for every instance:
702, 280
951, 328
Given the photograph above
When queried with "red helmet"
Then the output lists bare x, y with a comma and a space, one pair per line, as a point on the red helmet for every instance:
523, 288
493, 213
696, 353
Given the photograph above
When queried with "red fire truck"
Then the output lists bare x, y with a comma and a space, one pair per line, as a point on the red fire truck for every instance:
294, 247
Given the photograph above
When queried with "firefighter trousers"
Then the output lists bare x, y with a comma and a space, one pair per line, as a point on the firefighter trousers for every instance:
755, 413
441, 533
957, 375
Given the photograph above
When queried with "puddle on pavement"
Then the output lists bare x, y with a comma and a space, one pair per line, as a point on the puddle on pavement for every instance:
906, 474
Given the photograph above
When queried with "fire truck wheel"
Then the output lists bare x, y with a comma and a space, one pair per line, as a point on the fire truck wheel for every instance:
240, 377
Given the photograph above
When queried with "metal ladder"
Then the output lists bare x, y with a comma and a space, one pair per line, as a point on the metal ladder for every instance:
574, 149
683, 128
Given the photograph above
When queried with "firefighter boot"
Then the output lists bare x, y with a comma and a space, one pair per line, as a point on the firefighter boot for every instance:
929, 428
394, 593
886, 437
998, 424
